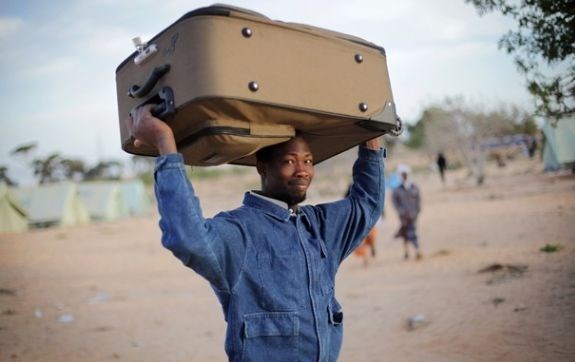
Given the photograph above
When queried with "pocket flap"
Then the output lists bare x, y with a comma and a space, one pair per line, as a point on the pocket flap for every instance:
271, 324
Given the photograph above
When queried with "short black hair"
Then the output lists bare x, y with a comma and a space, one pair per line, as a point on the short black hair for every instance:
265, 154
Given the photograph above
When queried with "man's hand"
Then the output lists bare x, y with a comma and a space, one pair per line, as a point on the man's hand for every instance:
373, 144
149, 130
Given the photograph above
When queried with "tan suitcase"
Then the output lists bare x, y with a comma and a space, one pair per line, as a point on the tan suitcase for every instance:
230, 81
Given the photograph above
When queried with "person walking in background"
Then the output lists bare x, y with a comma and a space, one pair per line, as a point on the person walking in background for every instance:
441, 165
366, 249
407, 202
531, 146
367, 243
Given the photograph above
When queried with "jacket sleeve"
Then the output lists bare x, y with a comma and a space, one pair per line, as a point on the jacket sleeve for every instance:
214, 248
417, 203
398, 202
345, 223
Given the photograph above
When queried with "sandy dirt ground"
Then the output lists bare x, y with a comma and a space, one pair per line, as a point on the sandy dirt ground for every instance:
110, 292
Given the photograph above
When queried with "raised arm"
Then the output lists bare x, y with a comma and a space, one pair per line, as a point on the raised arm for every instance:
346, 222
201, 244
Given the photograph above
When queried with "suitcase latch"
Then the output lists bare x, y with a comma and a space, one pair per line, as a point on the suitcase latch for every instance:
144, 50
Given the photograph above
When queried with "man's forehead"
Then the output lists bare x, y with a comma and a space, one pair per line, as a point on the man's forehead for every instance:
296, 146
296, 153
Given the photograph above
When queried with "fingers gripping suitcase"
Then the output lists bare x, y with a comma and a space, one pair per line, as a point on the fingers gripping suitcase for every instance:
229, 81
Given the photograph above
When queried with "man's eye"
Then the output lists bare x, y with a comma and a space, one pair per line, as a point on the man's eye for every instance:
289, 162
309, 162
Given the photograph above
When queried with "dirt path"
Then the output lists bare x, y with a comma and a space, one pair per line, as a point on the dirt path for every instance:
110, 292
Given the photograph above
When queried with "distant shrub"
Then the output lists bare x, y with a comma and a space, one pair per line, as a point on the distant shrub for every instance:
551, 248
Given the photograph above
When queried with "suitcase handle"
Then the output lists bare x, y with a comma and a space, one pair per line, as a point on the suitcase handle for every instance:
164, 106
166, 109
158, 72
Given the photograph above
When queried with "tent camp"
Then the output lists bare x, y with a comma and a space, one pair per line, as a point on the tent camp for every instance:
103, 199
52, 204
12, 214
559, 143
136, 199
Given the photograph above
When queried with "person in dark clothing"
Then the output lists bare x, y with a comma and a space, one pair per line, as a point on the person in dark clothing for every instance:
407, 202
441, 165
271, 262
532, 147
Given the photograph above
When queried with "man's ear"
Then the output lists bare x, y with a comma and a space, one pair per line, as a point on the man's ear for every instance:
261, 167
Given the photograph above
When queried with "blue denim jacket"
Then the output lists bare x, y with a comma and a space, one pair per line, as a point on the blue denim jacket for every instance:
272, 270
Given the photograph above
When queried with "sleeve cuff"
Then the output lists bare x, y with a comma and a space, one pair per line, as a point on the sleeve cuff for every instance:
171, 160
371, 155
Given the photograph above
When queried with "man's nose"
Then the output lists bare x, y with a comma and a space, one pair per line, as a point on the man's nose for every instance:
302, 169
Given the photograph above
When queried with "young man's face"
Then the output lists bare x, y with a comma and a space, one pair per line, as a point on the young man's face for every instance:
288, 173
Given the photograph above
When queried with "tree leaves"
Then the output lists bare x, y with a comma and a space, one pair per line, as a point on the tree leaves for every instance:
544, 48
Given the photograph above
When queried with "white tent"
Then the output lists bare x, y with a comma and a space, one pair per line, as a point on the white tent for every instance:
560, 143
12, 214
136, 199
52, 204
103, 199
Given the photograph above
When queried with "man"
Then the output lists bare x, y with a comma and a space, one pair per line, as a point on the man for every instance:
271, 262
441, 166
407, 203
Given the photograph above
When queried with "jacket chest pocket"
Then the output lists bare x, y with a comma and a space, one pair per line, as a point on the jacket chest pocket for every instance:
270, 337
282, 274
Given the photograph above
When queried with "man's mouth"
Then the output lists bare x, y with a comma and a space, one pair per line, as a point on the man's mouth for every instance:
300, 185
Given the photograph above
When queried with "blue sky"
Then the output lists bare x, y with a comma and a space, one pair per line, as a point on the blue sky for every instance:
58, 60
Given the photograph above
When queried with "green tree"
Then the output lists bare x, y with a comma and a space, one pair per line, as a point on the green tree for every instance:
416, 135
55, 168
45, 168
544, 48
105, 170
73, 169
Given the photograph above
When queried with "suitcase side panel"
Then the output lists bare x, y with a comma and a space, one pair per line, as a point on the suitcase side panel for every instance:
294, 68
306, 79
299, 69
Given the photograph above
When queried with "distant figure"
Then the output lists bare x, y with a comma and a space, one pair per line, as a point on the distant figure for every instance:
499, 159
532, 147
367, 243
441, 165
407, 202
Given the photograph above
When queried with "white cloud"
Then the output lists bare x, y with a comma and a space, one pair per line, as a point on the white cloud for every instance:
9, 26
55, 67
110, 41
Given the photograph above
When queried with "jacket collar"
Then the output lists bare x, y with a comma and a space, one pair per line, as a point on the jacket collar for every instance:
273, 207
